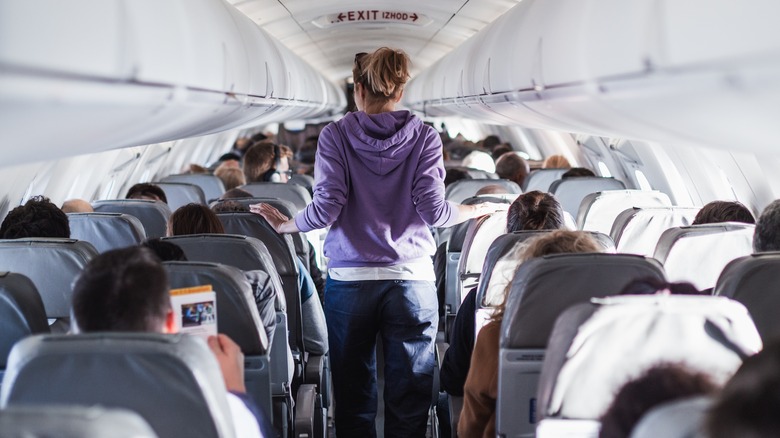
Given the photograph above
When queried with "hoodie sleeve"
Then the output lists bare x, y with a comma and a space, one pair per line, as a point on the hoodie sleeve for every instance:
330, 188
428, 189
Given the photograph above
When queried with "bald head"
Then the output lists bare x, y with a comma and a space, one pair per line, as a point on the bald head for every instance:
77, 206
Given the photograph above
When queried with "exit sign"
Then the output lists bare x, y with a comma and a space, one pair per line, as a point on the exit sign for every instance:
372, 16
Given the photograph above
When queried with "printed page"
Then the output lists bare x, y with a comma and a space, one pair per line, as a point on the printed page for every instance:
196, 310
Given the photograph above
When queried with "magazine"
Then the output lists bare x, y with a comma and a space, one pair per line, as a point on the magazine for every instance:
196, 310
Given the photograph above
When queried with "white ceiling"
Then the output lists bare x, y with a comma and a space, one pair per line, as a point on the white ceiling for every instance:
331, 49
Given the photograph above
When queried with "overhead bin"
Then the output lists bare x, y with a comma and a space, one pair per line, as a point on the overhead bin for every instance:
109, 74
706, 72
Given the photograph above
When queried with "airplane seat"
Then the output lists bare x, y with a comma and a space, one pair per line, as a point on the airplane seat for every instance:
677, 419
458, 191
21, 313
280, 246
481, 233
73, 422
698, 253
480, 174
599, 210
106, 231
211, 185
152, 214
542, 179
52, 264
754, 281
637, 230
303, 180
237, 317
541, 289
180, 194
571, 191
289, 192
579, 379
172, 381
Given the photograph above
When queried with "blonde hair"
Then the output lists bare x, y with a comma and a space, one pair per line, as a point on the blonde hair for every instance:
231, 177
383, 72
556, 162
556, 242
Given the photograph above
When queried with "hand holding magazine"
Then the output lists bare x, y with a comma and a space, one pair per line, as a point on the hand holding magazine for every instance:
196, 310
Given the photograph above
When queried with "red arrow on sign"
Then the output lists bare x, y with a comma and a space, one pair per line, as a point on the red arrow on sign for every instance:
414, 16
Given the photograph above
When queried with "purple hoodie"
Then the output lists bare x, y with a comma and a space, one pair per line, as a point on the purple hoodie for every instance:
379, 184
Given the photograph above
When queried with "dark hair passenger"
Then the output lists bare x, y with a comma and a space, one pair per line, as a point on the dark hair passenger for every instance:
38, 217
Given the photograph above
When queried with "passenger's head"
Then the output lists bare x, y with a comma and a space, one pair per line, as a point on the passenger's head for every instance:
479, 160
723, 211
767, 234
147, 191
659, 384
500, 150
194, 219
231, 176
235, 194
77, 206
229, 207
556, 162
38, 217
453, 174
513, 167
380, 76
534, 210
577, 171
267, 162
653, 285
747, 406
165, 250
492, 189
123, 290
491, 142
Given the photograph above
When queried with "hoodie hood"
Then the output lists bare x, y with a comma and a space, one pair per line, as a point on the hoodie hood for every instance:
382, 141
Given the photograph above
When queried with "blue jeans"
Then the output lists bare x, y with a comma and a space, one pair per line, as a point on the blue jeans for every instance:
405, 314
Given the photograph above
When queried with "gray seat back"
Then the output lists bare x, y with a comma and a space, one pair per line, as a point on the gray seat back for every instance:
211, 185
106, 231
172, 381
52, 264
21, 312
571, 191
303, 180
677, 419
458, 191
180, 194
637, 230
72, 422
152, 214
542, 179
699, 253
597, 347
754, 281
599, 210
289, 192
279, 245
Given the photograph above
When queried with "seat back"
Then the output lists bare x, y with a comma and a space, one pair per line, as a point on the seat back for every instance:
172, 381
294, 193
698, 253
754, 281
677, 419
237, 317
72, 422
152, 214
52, 264
279, 245
180, 194
247, 254
637, 230
571, 191
211, 185
597, 347
106, 231
21, 313
599, 210
542, 179
466, 188
541, 290
480, 235
303, 180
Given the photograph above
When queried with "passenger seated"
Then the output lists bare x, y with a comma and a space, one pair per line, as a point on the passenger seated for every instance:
76, 206
651, 285
556, 162
479, 160
530, 211
231, 176
723, 211
478, 417
766, 237
660, 384
38, 217
146, 191
513, 167
749, 402
577, 171
266, 161
235, 193
453, 174
199, 219
127, 290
